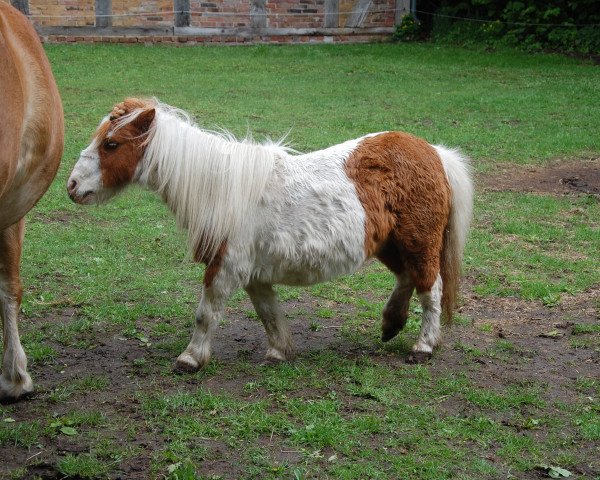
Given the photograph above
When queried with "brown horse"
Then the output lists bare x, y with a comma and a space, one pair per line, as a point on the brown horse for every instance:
31, 144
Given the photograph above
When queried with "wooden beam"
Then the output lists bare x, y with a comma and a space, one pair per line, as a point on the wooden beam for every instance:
182, 13
274, 32
332, 13
402, 9
103, 8
245, 32
258, 13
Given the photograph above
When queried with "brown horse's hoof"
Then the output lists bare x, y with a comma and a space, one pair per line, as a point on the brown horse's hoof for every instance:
418, 357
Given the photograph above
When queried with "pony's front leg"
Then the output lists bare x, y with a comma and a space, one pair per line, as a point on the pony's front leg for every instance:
208, 314
264, 299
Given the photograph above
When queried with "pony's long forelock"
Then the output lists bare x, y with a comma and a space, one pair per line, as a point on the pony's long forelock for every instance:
210, 180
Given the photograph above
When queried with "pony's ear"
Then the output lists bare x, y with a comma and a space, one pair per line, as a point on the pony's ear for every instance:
144, 120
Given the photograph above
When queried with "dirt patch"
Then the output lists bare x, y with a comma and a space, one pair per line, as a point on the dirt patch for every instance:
573, 177
535, 349
60, 216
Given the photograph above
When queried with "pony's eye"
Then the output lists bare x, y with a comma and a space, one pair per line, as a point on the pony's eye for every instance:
110, 145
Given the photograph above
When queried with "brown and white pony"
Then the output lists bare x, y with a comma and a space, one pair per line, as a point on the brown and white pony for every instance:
261, 214
31, 144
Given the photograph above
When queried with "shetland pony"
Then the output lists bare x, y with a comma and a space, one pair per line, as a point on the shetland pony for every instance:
260, 214
31, 144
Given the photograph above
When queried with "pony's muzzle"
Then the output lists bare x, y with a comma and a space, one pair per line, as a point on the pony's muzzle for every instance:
72, 187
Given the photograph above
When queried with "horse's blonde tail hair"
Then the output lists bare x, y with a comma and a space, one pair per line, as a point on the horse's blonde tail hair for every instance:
458, 172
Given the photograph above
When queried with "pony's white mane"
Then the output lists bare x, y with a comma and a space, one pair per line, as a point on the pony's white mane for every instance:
211, 181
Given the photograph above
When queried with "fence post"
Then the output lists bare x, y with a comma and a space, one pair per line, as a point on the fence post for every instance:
258, 14
21, 5
402, 9
332, 13
103, 8
182, 13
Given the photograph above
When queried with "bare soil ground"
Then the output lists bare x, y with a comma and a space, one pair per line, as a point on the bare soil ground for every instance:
544, 350
557, 178
539, 355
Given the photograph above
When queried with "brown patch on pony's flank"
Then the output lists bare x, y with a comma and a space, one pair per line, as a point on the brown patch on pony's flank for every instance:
402, 185
121, 148
213, 265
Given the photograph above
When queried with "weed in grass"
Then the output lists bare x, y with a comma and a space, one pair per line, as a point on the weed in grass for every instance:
39, 352
25, 434
504, 346
588, 421
587, 385
585, 328
108, 449
68, 424
512, 398
181, 471
486, 327
82, 466
583, 343
17, 473
84, 384
471, 351
326, 313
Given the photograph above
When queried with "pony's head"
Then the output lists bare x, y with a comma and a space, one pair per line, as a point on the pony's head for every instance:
111, 160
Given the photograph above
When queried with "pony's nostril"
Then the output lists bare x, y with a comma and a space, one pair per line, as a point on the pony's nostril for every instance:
72, 185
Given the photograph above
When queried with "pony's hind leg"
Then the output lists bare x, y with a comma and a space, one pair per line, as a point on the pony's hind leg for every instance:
430, 333
264, 299
14, 380
395, 312
208, 314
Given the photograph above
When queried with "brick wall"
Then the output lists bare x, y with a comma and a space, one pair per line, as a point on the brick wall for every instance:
135, 13
68, 13
286, 21
205, 13
295, 14
220, 13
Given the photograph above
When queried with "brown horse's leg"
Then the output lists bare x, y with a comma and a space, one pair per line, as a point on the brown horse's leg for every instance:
395, 312
14, 380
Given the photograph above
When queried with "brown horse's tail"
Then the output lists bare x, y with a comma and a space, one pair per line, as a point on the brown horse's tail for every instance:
458, 172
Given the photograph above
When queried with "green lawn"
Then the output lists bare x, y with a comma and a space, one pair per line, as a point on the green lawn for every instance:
113, 282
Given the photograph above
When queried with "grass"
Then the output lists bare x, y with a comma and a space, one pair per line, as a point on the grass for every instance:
114, 282
538, 248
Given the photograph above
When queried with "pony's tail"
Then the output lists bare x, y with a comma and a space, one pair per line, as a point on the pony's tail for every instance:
458, 172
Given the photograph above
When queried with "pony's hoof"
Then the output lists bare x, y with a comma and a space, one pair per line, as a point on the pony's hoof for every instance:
389, 333
275, 356
13, 391
185, 363
418, 357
